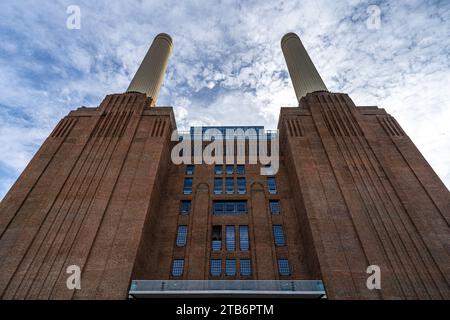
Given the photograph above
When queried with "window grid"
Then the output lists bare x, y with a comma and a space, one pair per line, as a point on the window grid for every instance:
229, 185
185, 207
240, 169
283, 267
245, 267
278, 235
229, 169
216, 245
218, 185
177, 267
216, 267
243, 238
218, 169
230, 238
229, 207
187, 188
274, 206
230, 267
271, 185
182, 236
241, 185
190, 169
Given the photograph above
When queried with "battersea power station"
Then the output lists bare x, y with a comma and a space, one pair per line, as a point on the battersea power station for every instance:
346, 208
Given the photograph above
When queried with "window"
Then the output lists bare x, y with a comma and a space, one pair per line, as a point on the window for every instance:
246, 267
216, 244
274, 206
182, 236
190, 169
230, 168
230, 267
241, 185
229, 185
218, 169
187, 188
229, 207
231, 238
185, 207
271, 185
283, 267
278, 235
217, 185
243, 238
216, 267
240, 169
177, 267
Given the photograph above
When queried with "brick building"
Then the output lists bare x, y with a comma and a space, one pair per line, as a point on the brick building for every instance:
102, 193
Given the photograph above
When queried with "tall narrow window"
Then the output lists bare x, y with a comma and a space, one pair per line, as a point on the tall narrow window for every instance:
274, 206
241, 185
177, 267
230, 267
216, 243
190, 169
278, 235
182, 236
216, 267
245, 267
283, 267
218, 169
243, 238
240, 169
185, 207
271, 185
229, 169
217, 185
229, 184
187, 188
231, 238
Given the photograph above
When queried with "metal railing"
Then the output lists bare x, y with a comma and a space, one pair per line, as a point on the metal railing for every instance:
219, 288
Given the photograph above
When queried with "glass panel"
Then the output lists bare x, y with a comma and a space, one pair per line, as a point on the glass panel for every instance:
229, 185
182, 236
229, 207
190, 169
246, 267
230, 267
177, 267
187, 188
283, 267
185, 207
271, 185
230, 238
216, 244
216, 267
278, 235
240, 169
274, 206
230, 168
218, 169
243, 238
217, 185
241, 185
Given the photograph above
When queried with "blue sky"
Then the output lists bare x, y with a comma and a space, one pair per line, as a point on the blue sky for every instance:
227, 67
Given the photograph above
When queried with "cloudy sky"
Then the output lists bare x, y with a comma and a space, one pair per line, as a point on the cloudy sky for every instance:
227, 67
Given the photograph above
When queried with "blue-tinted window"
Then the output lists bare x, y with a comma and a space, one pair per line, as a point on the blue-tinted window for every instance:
243, 238
182, 236
246, 267
229, 207
187, 188
218, 169
271, 185
217, 185
185, 207
229, 184
216, 267
274, 206
240, 169
230, 169
230, 238
216, 244
177, 267
283, 267
242, 189
190, 169
278, 234
230, 267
